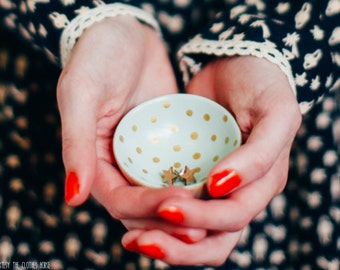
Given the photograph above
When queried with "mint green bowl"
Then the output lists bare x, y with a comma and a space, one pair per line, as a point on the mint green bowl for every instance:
173, 132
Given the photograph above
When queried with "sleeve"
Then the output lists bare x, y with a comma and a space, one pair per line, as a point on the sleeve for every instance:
55, 26
301, 37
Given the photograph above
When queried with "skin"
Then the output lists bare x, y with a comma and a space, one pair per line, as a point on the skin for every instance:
96, 89
94, 92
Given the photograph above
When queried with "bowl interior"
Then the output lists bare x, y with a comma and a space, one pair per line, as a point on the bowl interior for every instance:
174, 139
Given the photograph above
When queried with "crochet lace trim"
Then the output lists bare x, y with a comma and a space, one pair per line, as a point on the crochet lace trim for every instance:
83, 21
230, 48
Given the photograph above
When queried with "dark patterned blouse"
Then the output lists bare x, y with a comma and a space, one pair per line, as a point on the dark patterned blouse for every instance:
300, 227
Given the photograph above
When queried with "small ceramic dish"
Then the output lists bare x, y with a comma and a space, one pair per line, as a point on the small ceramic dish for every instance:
174, 140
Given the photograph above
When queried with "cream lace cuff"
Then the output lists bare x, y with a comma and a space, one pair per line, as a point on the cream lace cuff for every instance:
83, 21
230, 48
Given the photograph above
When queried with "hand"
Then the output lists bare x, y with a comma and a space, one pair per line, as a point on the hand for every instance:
259, 96
115, 65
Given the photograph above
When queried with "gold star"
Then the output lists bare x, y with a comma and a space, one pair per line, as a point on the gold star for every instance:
169, 176
188, 175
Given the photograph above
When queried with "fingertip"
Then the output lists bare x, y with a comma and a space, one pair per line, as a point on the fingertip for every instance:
172, 214
130, 240
131, 246
223, 182
152, 250
76, 191
191, 235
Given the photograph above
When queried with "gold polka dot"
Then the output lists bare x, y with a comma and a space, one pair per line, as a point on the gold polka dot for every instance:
177, 165
213, 137
189, 112
215, 158
145, 171
154, 140
139, 150
174, 128
153, 119
134, 128
176, 148
226, 140
206, 117
166, 104
130, 160
156, 159
121, 138
225, 118
235, 142
197, 169
197, 155
194, 135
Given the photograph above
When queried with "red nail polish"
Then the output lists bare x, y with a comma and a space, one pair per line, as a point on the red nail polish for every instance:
223, 182
184, 237
152, 250
172, 214
132, 246
71, 186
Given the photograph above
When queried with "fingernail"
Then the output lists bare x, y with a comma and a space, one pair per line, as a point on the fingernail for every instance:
152, 250
224, 182
131, 246
184, 237
172, 214
71, 186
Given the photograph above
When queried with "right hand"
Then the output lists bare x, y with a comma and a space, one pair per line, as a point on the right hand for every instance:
115, 65
243, 183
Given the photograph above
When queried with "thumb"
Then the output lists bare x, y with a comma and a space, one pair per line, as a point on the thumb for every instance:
269, 142
78, 147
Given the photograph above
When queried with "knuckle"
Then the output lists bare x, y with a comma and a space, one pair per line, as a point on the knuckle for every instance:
242, 221
216, 262
282, 184
114, 212
67, 149
262, 162
67, 143
114, 205
65, 79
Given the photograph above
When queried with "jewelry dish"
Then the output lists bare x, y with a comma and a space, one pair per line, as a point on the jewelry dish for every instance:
174, 140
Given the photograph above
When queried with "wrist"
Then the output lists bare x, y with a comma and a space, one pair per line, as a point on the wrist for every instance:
78, 25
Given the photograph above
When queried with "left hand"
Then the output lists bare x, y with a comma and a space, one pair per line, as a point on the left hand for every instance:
115, 65
258, 94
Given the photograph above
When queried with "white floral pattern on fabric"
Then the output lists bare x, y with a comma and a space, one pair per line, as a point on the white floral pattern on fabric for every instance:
79, 24
301, 38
